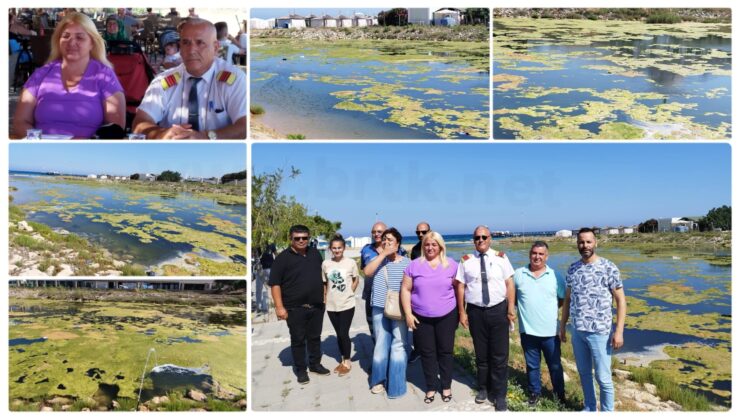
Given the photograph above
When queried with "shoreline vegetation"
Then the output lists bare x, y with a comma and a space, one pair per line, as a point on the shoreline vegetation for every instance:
658, 15
66, 361
464, 33
38, 250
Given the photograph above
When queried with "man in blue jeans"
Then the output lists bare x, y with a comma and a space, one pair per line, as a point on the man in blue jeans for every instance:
591, 285
539, 294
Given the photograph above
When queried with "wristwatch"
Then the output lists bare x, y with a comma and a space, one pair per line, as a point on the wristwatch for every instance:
212, 135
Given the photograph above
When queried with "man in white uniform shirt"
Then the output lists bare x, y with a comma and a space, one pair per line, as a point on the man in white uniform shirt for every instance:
485, 279
203, 98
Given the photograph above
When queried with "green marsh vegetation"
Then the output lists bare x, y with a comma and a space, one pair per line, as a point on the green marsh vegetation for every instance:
95, 344
202, 220
570, 78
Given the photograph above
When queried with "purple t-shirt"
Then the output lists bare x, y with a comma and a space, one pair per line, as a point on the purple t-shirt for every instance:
81, 110
432, 294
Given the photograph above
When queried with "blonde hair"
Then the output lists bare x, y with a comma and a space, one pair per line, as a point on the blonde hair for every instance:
434, 236
98, 49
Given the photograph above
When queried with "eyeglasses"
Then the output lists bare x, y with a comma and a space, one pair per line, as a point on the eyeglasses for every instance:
300, 238
480, 238
422, 232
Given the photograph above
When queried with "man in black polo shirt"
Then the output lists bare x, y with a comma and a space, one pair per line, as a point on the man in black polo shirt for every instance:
298, 293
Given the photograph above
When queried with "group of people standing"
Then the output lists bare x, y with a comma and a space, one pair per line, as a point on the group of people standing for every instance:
429, 294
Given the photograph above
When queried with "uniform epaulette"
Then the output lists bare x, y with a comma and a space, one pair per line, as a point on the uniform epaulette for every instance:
226, 76
500, 254
466, 257
171, 80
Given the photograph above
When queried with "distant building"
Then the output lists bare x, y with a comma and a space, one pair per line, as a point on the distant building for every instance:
291, 22
419, 16
677, 224
627, 230
344, 21
564, 233
610, 231
166, 284
92, 176
446, 17
257, 23
358, 242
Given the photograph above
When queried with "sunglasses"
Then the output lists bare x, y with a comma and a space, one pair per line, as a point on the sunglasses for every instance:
300, 238
422, 232
480, 238
377, 231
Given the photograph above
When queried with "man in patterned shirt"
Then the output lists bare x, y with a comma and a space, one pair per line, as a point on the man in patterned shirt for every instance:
591, 285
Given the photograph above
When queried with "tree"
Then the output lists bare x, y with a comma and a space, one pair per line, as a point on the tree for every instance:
477, 16
648, 226
169, 176
134, 177
234, 176
273, 214
717, 218
394, 17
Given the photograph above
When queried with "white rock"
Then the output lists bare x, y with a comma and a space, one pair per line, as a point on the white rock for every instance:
118, 264
24, 226
45, 408
66, 271
651, 388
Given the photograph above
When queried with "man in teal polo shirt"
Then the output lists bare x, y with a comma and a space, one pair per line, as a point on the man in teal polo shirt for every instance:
539, 293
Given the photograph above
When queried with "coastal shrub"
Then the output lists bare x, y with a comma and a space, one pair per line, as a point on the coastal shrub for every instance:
256, 110
220, 405
133, 270
663, 17
296, 137
126, 404
667, 389
81, 403
16, 214
28, 242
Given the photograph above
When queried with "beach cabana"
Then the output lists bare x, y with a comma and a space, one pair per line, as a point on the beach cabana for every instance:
446, 17
344, 21
290, 22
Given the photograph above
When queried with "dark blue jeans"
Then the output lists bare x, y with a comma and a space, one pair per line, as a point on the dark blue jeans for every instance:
549, 347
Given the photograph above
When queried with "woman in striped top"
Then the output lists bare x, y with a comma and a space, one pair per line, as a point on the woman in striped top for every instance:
389, 357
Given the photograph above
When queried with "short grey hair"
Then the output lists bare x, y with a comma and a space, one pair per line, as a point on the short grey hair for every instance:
481, 227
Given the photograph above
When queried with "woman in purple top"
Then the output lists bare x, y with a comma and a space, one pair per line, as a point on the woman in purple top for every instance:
431, 308
76, 91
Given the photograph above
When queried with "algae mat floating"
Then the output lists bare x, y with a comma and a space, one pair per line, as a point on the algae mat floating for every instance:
372, 88
89, 344
582, 79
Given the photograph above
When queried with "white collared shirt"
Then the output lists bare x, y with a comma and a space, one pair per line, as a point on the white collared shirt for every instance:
498, 269
219, 103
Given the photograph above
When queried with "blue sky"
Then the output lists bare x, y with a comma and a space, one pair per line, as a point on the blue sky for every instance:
269, 13
190, 159
506, 186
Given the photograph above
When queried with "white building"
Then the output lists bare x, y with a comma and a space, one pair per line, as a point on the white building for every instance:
609, 231
420, 15
446, 17
357, 241
257, 23
92, 176
676, 224
626, 230
564, 233
291, 22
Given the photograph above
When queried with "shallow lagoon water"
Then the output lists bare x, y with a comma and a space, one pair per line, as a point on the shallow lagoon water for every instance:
93, 348
113, 217
371, 89
583, 79
699, 327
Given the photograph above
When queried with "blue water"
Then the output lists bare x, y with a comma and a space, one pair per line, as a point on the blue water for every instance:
186, 210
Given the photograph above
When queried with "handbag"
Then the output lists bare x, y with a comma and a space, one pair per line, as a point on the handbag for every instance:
392, 309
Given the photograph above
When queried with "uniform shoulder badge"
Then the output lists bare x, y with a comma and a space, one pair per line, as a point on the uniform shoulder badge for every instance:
171, 80
500, 254
466, 257
226, 76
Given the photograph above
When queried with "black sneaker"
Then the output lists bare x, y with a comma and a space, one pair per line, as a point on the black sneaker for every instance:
482, 396
319, 370
302, 378
533, 399
414, 356
501, 406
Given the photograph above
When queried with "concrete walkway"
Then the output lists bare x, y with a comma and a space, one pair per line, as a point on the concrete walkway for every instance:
274, 385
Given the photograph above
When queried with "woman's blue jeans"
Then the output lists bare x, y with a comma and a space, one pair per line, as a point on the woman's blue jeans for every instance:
389, 356
593, 353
